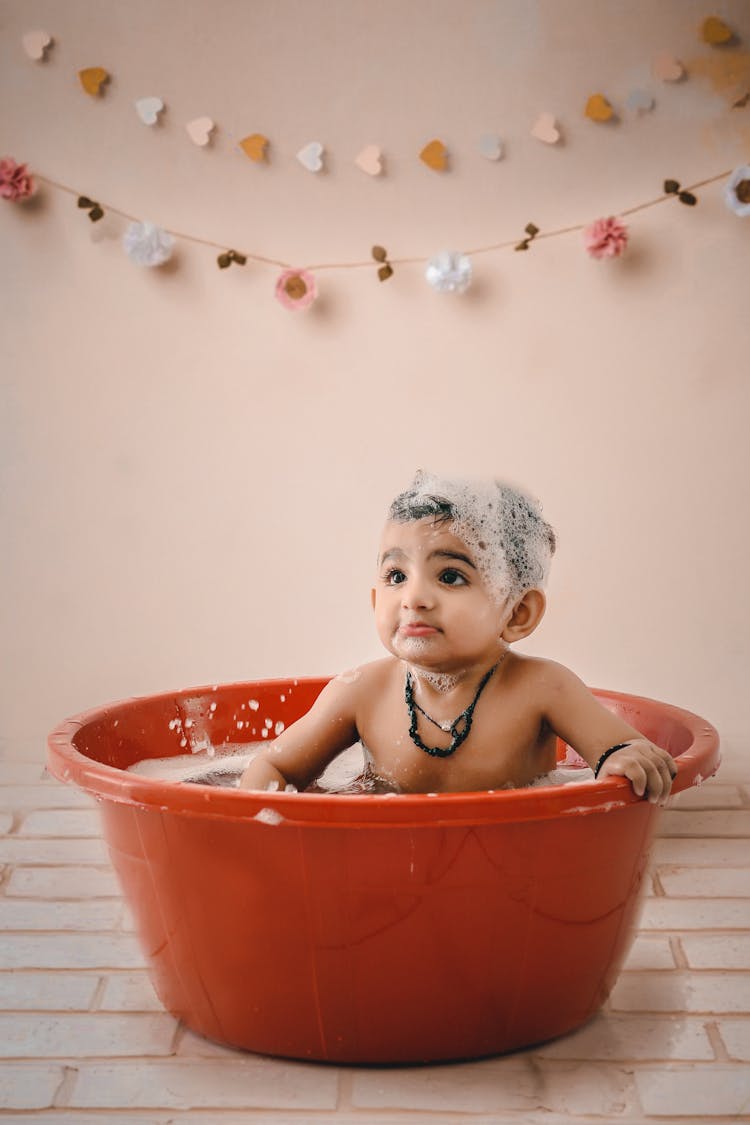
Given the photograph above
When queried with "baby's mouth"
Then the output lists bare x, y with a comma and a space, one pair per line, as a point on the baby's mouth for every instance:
417, 629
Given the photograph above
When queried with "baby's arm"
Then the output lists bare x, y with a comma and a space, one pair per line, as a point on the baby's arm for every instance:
581, 721
303, 751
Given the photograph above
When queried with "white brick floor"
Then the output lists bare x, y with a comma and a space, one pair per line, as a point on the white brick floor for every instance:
84, 1041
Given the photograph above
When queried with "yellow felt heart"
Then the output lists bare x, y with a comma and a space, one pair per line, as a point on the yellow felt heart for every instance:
92, 79
35, 43
435, 156
255, 147
598, 108
715, 31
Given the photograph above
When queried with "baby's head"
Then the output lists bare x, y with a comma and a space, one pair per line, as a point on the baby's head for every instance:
509, 539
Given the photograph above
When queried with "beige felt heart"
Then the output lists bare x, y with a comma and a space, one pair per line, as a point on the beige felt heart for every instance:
255, 147
545, 129
148, 109
200, 129
435, 156
35, 43
666, 67
490, 146
598, 108
370, 160
311, 156
93, 79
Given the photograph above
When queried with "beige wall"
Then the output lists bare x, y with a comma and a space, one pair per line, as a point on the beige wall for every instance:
194, 478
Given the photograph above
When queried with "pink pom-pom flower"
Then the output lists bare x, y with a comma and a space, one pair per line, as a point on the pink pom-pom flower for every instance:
606, 238
15, 180
296, 289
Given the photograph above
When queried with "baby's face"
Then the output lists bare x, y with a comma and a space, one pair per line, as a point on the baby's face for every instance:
432, 604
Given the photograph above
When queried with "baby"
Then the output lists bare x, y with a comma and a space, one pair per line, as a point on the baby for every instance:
461, 574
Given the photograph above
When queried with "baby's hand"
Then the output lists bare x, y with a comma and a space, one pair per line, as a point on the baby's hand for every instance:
649, 769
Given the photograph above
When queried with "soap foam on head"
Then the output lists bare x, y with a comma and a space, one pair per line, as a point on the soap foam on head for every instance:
511, 542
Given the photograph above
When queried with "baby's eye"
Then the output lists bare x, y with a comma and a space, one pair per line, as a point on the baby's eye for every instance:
394, 577
452, 578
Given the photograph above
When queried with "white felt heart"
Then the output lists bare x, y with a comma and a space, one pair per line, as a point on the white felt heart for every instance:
148, 109
311, 156
370, 160
638, 101
490, 146
200, 129
35, 43
545, 129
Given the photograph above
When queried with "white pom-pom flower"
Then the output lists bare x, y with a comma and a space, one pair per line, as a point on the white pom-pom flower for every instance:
737, 191
449, 272
147, 245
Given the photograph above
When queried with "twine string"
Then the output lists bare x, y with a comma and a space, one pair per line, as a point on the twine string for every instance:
368, 263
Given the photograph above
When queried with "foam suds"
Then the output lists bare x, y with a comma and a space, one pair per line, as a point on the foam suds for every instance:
410, 646
562, 775
504, 529
351, 772
349, 677
442, 682
348, 773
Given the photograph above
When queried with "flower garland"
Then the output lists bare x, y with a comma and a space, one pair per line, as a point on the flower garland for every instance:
449, 271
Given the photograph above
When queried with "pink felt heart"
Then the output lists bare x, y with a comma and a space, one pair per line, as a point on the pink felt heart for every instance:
200, 129
35, 43
545, 129
666, 67
370, 160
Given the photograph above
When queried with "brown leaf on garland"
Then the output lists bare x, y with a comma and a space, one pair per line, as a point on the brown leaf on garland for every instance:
532, 232
94, 209
672, 187
380, 254
225, 260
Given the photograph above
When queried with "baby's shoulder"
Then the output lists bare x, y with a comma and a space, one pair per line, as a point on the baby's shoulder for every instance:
368, 677
538, 673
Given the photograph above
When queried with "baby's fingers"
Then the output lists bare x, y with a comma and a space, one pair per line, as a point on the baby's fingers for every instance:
636, 774
658, 779
650, 771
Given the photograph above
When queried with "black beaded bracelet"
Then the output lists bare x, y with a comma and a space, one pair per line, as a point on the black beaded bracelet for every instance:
606, 754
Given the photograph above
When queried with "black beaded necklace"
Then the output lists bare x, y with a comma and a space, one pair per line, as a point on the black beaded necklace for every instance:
459, 728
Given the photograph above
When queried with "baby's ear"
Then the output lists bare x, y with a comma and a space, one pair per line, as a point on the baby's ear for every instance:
527, 613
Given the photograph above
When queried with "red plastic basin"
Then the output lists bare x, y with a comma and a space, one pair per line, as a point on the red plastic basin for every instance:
368, 928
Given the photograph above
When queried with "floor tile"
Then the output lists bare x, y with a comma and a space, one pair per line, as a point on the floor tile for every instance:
63, 883
682, 992
47, 991
251, 1082
28, 1087
716, 951
704, 1092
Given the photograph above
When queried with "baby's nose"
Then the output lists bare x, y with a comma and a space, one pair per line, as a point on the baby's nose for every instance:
417, 594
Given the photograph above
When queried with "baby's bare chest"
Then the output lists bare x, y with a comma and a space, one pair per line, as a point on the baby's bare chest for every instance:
508, 744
